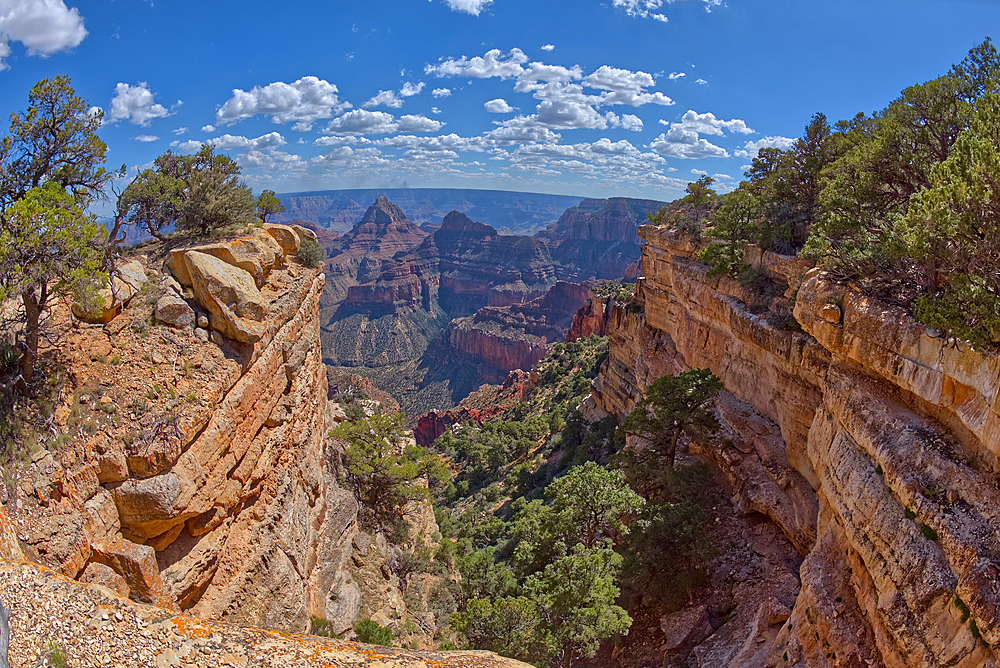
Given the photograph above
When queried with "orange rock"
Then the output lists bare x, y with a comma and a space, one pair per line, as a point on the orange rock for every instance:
137, 565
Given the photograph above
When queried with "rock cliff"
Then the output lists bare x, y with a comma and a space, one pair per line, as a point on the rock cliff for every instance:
868, 439
597, 238
499, 339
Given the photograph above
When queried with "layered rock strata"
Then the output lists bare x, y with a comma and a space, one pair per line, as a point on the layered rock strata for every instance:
868, 439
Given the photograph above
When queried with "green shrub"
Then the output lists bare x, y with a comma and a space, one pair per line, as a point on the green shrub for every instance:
310, 254
373, 633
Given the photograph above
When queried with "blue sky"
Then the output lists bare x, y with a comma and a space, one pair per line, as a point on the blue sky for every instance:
584, 97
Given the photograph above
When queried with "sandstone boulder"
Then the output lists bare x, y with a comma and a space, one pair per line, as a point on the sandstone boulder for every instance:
255, 254
685, 628
126, 282
236, 308
174, 311
286, 237
137, 565
100, 574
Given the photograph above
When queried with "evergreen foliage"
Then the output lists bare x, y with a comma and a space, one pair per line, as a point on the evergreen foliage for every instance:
671, 405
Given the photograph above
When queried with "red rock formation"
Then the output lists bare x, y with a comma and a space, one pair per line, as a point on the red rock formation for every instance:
501, 339
481, 406
590, 320
358, 255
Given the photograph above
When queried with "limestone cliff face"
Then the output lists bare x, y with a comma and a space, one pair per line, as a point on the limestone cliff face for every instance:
868, 439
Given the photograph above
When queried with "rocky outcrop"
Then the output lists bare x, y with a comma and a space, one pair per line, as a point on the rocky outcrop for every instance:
501, 339
590, 320
125, 283
868, 439
597, 238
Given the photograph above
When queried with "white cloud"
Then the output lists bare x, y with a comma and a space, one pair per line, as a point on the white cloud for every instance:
498, 106
435, 110
644, 9
630, 122
491, 64
751, 148
441, 92
361, 122
614, 79
700, 172
341, 141
647, 9
208, 128
145, 139
272, 161
135, 104
468, 6
674, 76
305, 101
548, 47
385, 98
700, 82
412, 123
268, 141
519, 134
686, 145
708, 124
180, 131
189, 147
411, 89
42, 26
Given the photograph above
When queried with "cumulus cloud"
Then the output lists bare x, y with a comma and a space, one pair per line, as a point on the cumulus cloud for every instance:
414, 123
686, 145
644, 9
751, 148
303, 102
385, 98
468, 6
361, 122
683, 139
441, 92
208, 128
492, 64
42, 26
187, 147
268, 141
498, 106
674, 76
411, 89
548, 47
145, 139
708, 124
135, 104
272, 161
180, 131
435, 110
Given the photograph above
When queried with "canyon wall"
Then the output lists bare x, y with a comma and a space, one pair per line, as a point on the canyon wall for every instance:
868, 439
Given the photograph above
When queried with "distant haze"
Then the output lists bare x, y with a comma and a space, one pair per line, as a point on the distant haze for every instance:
509, 212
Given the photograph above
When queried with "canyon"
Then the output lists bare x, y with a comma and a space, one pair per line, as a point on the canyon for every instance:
431, 317
867, 441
